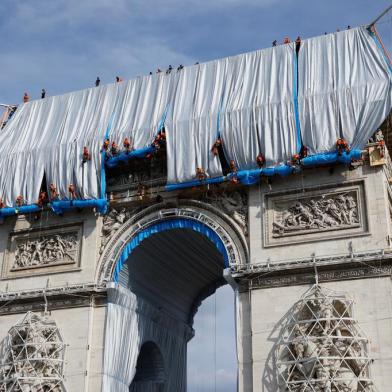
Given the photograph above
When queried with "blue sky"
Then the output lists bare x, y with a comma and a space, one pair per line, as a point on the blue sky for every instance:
63, 45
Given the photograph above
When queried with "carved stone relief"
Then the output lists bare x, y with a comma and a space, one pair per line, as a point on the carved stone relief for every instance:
57, 248
321, 347
235, 205
32, 356
336, 211
294, 218
46, 250
112, 222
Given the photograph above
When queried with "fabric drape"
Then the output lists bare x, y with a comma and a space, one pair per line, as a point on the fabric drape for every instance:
249, 101
132, 321
344, 89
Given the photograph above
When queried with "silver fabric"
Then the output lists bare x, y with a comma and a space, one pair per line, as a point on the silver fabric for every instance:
257, 111
344, 89
132, 321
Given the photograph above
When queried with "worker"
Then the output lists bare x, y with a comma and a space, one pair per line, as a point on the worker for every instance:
53, 192
42, 199
19, 201
169, 70
26, 98
86, 155
43, 93
180, 67
114, 149
159, 70
215, 147
342, 146
260, 160
201, 174
298, 40
97, 81
118, 79
127, 145
72, 191
275, 43
286, 40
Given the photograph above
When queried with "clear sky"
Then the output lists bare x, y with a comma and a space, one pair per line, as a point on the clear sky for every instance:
63, 45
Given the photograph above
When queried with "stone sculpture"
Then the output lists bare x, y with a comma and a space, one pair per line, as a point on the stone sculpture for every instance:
236, 206
112, 222
321, 348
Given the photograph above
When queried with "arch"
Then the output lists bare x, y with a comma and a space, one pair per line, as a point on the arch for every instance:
218, 227
150, 368
170, 224
166, 259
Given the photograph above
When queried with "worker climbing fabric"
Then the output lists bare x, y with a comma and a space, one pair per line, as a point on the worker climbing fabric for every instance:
344, 89
248, 101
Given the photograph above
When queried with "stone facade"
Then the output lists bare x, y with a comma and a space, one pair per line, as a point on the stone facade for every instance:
329, 226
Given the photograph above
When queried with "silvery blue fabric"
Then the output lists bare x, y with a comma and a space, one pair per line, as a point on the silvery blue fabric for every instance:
344, 90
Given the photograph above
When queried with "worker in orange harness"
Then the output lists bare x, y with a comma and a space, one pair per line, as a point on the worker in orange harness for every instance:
19, 201
114, 149
127, 145
53, 192
342, 146
26, 98
233, 169
42, 198
260, 160
201, 174
215, 147
72, 191
86, 155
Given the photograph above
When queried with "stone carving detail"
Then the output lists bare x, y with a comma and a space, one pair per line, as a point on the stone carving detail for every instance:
32, 357
321, 347
235, 205
46, 250
112, 222
337, 211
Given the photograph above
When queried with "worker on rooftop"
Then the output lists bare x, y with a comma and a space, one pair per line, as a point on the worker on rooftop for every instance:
97, 81
26, 97
43, 93
118, 79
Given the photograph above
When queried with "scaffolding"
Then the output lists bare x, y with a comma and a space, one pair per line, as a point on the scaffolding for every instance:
321, 348
32, 356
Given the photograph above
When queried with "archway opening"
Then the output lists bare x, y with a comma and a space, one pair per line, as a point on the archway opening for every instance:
150, 370
170, 273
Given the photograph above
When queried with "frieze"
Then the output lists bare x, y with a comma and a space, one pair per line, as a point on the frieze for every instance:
314, 215
319, 214
323, 276
46, 250
57, 248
